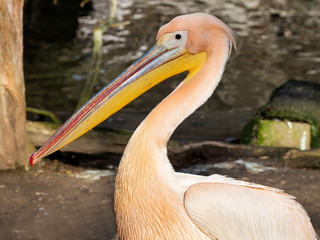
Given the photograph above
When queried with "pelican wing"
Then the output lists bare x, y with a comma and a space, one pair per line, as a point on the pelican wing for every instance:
235, 212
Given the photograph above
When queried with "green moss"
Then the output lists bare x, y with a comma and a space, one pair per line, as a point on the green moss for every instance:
275, 133
249, 133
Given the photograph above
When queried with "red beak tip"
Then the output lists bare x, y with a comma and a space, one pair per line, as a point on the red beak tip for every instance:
31, 161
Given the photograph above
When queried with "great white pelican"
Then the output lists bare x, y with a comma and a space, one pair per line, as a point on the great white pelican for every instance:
152, 201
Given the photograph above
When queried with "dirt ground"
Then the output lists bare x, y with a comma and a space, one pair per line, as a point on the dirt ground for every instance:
56, 201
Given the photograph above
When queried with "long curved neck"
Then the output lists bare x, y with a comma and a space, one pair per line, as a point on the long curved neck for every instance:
146, 149
188, 96
145, 183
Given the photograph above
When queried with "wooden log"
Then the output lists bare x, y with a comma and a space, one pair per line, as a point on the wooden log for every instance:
12, 98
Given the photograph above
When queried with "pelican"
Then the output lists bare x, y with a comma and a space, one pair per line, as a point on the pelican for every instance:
151, 200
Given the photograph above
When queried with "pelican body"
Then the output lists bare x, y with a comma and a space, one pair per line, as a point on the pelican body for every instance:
152, 201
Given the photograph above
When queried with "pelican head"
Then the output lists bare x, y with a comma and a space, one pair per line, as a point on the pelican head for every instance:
182, 45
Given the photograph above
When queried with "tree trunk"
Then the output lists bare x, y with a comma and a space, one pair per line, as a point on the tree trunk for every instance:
12, 98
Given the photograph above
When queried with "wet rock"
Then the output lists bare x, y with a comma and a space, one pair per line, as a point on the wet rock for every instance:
296, 101
216, 152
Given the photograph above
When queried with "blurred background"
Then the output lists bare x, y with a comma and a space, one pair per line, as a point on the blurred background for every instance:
277, 40
70, 195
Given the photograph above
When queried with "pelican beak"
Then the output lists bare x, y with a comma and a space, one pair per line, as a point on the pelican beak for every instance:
159, 63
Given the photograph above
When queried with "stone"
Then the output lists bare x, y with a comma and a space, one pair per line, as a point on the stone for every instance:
275, 133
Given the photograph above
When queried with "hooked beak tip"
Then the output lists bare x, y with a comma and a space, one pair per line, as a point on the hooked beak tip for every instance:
32, 160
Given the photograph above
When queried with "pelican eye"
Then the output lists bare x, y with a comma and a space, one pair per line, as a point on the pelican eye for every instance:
178, 36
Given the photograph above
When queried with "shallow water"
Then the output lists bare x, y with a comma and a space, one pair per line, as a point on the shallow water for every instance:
277, 40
